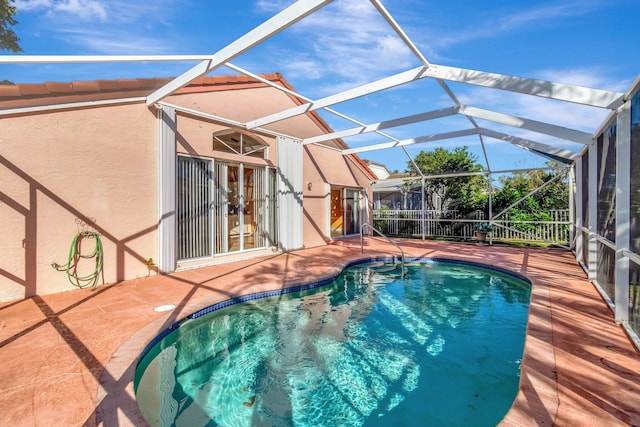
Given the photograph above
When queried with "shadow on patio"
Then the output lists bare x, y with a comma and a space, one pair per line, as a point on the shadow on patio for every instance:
69, 358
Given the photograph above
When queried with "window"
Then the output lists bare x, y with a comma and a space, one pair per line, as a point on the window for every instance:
231, 141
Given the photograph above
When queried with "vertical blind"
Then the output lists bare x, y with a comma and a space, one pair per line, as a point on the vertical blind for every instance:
194, 215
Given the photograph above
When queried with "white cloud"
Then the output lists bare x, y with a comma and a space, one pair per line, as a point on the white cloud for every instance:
272, 6
33, 4
83, 9
107, 44
105, 26
115, 11
494, 25
302, 68
347, 40
589, 77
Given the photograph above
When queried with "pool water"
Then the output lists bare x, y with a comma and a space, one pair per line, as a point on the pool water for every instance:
440, 346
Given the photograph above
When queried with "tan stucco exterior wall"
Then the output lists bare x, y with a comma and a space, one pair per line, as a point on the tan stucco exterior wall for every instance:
321, 165
195, 137
91, 164
323, 168
100, 166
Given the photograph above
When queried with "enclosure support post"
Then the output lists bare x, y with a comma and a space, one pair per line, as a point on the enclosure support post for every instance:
572, 205
623, 212
592, 244
490, 189
579, 208
422, 217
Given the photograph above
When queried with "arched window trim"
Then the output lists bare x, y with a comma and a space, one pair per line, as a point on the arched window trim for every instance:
243, 145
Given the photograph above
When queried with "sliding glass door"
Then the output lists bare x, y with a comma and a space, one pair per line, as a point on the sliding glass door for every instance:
345, 216
224, 208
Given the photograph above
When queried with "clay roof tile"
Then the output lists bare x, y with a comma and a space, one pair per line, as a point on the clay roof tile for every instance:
9, 91
83, 86
59, 87
129, 83
108, 84
31, 89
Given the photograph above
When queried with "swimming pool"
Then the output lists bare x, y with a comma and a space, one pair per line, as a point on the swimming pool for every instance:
440, 346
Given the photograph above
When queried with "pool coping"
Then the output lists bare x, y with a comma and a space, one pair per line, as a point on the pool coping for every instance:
536, 402
307, 286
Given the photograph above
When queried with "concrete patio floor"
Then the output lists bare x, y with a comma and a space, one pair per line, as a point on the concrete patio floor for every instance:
68, 359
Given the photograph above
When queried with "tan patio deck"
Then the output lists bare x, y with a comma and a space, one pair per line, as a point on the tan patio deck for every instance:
68, 359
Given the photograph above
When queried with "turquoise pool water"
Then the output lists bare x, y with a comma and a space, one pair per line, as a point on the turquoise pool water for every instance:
439, 347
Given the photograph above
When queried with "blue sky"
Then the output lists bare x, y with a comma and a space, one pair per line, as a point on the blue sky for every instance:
588, 42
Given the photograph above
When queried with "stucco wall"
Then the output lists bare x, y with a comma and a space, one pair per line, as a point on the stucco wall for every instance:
99, 166
91, 164
194, 137
321, 165
244, 105
324, 166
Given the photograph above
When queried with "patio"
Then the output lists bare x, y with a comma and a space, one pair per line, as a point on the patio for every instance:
68, 359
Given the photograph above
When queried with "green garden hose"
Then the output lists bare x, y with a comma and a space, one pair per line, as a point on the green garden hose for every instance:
75, 255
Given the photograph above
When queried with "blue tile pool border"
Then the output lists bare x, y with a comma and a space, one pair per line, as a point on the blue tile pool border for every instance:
308, 286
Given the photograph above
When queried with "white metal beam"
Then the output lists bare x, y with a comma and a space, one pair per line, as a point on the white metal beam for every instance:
623, 211
274, 25
299, 96
579, 209
541, 88
167, 175
545, 168
405, 38
366, 89
411, 141
535, 190
592, 215
64, 59
222, 120
532, 125
430, 115
485, 173
527, 143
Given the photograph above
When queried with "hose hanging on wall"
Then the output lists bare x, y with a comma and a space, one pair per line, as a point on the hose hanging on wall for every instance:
75, 256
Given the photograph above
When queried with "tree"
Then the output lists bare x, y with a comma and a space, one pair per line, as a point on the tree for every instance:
536, 207
464, 193
553, 196
8, 39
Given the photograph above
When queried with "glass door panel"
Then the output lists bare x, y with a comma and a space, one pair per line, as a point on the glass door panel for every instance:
249, 208
221, 209
271, 234
243, 209
193, 213
352, 212
337, 213
234, 208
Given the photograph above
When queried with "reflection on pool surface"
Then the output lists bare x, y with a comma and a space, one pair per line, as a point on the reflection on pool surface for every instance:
441, 346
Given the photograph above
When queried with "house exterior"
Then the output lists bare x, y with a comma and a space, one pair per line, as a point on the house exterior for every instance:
379, 170
397, 193
403, 192
167, 186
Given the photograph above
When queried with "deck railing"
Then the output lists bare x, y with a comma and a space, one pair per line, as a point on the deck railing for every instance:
451, 224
